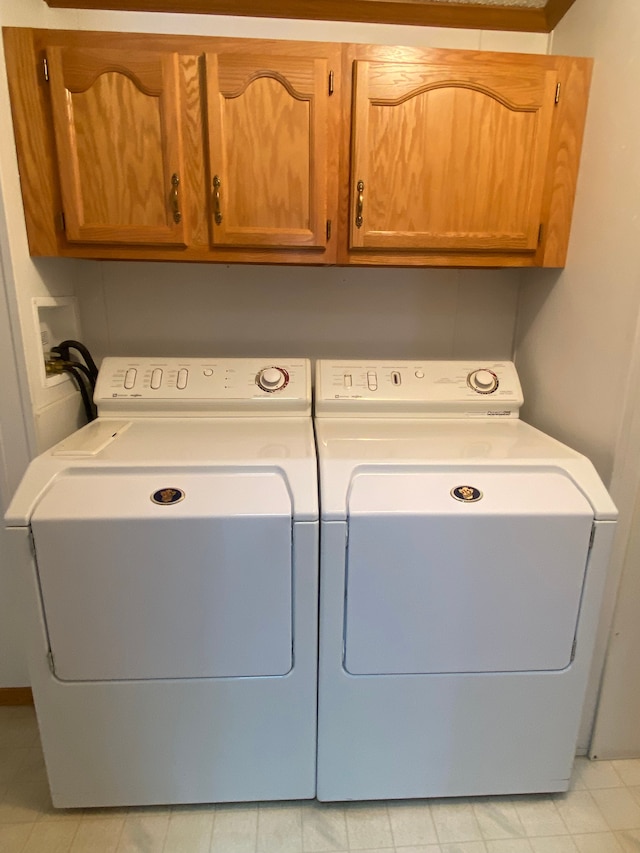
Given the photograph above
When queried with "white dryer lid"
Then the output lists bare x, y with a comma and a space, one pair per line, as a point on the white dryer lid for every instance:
348, 447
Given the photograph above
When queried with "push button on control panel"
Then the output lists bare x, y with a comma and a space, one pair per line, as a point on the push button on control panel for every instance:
372, 381
183, 376
130, 378
156, 378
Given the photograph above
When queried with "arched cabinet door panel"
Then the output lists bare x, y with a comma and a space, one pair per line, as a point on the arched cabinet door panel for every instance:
118, 137
449, 158
267, 122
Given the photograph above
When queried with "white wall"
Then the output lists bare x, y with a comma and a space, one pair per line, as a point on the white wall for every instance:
210, 309
577, 336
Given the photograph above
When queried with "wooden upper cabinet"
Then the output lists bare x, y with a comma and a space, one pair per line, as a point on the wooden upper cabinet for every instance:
267, 137
165, 147
116, 117
449, 159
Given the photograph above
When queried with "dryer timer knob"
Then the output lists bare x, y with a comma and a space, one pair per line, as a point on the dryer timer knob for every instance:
482, 381
272, 378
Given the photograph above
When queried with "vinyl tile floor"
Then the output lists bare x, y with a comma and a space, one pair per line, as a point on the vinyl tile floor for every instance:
600, 814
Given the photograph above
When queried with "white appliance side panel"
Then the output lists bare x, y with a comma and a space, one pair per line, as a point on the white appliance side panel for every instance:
438, 586
200, 588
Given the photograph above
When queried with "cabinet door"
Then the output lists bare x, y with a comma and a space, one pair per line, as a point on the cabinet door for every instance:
117, 127
268, 150
449, 158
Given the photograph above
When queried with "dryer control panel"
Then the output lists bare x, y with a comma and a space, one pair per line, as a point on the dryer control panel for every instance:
191, 387
445, 389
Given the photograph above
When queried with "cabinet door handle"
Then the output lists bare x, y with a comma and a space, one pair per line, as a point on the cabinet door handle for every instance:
359, 203
217, 215
175, 201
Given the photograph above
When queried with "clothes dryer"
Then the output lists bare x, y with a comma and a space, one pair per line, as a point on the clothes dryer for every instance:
463, 559
169, 551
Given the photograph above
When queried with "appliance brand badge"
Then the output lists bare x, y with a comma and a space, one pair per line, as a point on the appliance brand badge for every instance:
466, 494
164, 497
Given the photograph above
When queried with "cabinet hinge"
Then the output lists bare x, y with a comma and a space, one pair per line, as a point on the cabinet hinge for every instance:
540, 230
328, 230
51, 662
331, 82
45, 69
558, 87
573, 649
61, 225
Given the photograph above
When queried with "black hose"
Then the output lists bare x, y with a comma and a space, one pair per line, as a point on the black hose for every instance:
86, 400
63, 350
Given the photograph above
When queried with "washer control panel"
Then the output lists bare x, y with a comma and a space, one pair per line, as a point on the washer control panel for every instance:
176, 387
417, 388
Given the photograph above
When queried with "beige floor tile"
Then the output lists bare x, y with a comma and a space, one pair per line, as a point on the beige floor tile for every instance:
463, 847
324, 828
143, 833
279, 829
411, 823
18, 728
498, 819
555, 844
599, 774
576, 783
597, 842
421, 848
629, 840
98, 836
13, 837
11, 761
628, 769
619, 807
580, 813
107, 813
455, 821
235, 829
52, 837
509, 845
32, 768
539, 817
368, 826
189, 832
25, 802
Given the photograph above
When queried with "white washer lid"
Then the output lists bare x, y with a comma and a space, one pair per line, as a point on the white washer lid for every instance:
284, 445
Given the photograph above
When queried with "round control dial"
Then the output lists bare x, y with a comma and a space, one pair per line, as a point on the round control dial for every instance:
272, 378
482, 381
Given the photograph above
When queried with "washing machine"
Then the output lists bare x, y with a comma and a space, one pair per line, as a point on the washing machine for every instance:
169, 551
463, 559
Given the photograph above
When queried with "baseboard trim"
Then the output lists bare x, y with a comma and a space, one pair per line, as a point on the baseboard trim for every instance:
16, 696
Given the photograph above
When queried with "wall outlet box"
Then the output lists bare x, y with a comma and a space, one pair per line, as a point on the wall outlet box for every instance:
56, 320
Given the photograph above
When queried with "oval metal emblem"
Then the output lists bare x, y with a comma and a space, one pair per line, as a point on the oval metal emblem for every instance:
164, 497
466, 494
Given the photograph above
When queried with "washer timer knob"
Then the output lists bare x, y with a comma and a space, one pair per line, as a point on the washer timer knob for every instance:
482, 381
272, 378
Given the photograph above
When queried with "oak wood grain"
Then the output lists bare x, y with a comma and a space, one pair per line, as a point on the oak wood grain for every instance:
268, 149
119, 143
450, 159
559, 174
411, 12
33, 122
